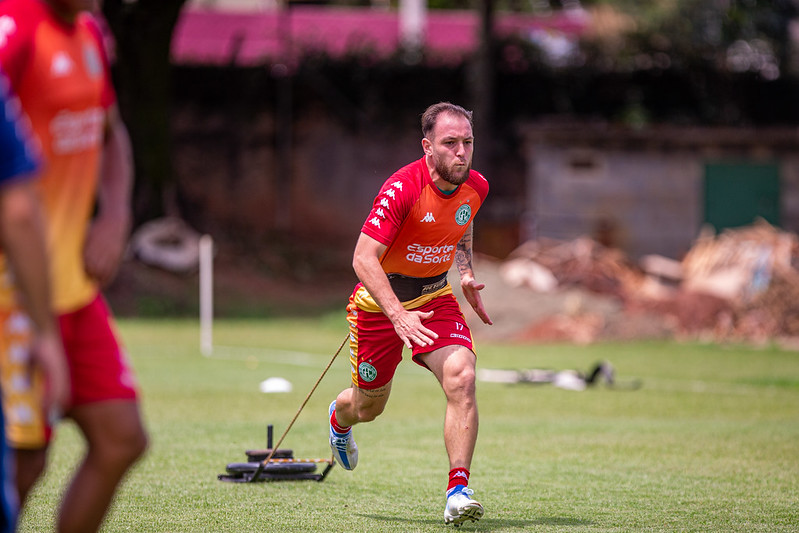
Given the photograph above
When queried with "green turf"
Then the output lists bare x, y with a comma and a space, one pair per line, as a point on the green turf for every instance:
709, 443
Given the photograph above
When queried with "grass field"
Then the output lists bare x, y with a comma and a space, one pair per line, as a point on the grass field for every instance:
709, 443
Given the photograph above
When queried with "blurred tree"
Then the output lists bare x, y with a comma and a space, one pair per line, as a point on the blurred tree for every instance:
143, 34
733, 35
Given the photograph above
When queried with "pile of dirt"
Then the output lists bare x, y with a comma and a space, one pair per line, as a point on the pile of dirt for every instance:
741, 285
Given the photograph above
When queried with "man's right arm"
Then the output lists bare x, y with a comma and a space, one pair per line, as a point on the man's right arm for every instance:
407, 324
22, 232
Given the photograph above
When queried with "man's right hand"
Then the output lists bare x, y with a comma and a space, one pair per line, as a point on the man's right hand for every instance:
409, 328
47, 356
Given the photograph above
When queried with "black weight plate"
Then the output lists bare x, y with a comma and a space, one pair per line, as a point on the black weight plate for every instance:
290, 468
260, 455
271, 468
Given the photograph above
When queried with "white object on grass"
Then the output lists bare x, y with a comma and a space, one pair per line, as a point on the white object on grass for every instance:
275, 385
569, 380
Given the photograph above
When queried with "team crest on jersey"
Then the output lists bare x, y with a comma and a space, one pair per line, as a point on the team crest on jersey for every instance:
463, 215
91, 60
367, 372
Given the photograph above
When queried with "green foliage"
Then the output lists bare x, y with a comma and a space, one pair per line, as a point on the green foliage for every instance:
707, 444
739, 36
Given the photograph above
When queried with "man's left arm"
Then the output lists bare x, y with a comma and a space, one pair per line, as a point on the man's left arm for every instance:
108, 234
471, 289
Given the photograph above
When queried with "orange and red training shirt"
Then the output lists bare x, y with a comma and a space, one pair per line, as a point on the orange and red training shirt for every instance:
60, 73
420, 225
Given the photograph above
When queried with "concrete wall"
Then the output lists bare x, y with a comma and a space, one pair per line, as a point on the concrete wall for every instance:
640, 191
643, 202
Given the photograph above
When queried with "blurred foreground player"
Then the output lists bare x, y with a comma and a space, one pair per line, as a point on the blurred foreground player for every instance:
23, 247
53, 56
421, 221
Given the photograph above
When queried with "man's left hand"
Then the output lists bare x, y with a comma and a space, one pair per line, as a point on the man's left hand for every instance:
105, 245
471, 291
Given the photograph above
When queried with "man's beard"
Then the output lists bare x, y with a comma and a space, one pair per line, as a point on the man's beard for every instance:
450, 176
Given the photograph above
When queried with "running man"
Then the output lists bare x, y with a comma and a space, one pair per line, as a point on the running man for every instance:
22, 235
52, 52
420, 223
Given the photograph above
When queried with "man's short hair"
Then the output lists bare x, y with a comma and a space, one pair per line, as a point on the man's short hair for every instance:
430, 115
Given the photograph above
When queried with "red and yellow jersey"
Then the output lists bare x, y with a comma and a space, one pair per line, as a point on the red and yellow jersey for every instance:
60, 73
420, 224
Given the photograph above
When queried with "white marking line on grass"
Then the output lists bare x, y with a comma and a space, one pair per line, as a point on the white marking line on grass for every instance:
287, 357
697, 386
248, 353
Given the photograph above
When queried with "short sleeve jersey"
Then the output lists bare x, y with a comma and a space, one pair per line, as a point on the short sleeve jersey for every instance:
419, 224
59, 71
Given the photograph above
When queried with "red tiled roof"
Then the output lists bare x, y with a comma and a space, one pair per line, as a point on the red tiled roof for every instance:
205, 36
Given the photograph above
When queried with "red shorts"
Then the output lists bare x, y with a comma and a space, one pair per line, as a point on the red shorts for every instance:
376, 350
98, 368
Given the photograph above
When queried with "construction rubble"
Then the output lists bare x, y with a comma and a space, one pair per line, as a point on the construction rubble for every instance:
741, 285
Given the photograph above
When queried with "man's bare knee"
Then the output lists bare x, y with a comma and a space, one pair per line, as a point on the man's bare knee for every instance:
135, 447
368, 404
459, 382
367, 409
115, 434
370, 412
125, 448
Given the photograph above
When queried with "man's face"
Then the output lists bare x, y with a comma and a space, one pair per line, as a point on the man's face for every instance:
451, 147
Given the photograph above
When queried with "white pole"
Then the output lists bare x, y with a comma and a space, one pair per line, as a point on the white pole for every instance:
412, 24
206, 295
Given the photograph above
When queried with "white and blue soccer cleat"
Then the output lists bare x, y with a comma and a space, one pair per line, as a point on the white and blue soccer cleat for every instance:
461, 506
343, 445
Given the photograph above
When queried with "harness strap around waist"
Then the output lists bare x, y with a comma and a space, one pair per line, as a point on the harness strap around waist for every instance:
408, 288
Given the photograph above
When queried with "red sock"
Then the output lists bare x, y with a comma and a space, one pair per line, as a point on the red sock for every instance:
336, 427
458, 476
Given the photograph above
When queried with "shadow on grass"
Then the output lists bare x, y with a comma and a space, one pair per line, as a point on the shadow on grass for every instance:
488, 524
